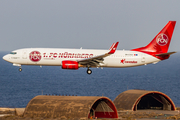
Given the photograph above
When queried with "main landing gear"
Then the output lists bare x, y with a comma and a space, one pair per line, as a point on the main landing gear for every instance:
89, 71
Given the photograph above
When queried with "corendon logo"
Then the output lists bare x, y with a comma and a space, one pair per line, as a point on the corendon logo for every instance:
35, 56
162, 39
124, 61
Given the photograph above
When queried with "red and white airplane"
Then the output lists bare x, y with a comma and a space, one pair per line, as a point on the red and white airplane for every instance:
73, 59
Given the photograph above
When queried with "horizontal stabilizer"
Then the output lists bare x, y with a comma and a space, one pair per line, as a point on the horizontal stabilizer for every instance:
164, 54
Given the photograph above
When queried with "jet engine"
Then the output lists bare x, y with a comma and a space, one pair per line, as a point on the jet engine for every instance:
67, 64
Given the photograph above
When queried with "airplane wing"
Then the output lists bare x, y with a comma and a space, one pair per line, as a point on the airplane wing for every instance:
94, 61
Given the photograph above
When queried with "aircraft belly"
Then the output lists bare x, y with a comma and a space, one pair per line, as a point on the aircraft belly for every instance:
42, 62
50, 62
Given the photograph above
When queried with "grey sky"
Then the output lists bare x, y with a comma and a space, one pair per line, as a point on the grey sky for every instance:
92, 24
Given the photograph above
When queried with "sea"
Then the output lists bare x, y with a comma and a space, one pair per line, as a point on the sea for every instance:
18, 88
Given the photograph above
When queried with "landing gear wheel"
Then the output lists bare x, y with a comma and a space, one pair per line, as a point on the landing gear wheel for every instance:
20, 69
89, 71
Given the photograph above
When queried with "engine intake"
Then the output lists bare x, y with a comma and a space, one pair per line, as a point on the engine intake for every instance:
67, 64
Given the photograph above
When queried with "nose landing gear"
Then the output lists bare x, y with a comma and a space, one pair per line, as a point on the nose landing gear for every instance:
19, 65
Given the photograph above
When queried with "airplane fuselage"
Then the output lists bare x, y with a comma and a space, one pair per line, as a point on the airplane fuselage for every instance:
54, 57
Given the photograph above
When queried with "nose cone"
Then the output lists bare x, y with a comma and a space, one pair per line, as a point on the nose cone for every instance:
6, 58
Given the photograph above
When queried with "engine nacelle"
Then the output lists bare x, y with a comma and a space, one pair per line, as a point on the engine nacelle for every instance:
67, 64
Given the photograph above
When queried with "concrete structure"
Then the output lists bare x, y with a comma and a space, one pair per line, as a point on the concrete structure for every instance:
19, 111
71, 107
143, 99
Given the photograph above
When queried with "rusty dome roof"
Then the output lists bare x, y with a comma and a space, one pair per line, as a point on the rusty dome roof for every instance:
130, 98
64, 106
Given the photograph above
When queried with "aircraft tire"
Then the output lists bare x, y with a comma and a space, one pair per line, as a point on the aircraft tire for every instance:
20, 69
89, 71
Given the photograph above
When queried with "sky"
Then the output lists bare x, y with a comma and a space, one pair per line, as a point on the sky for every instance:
90, 24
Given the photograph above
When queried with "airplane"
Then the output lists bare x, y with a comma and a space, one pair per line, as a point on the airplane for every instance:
73, 59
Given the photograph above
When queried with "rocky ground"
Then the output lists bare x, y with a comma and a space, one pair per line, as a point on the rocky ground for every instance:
123, 115
149, 114
131, 116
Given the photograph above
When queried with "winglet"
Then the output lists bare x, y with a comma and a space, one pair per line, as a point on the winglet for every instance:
113, 48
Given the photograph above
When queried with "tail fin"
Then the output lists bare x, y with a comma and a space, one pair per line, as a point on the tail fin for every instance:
161, 42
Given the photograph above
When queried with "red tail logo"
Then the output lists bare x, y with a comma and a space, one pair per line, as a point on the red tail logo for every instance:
162, 39
161, 42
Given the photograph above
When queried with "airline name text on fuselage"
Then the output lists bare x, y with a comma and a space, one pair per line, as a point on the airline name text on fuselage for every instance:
67, 55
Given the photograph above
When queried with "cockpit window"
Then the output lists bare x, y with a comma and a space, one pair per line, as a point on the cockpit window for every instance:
13, 53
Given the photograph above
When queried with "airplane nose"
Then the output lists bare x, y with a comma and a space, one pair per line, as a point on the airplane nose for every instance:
5, 57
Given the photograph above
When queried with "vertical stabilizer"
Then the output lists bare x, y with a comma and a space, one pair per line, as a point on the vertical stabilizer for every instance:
161, 42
